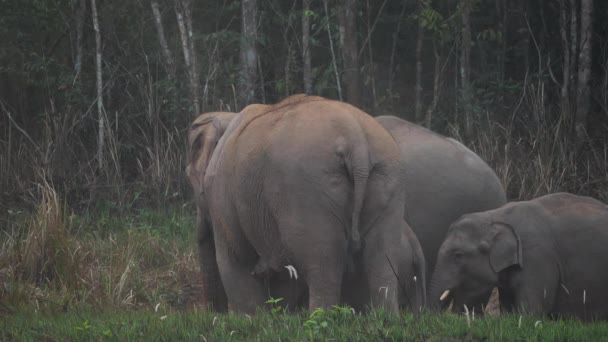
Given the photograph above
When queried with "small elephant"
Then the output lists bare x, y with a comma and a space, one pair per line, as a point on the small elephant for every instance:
310, 183
203, 136
443, 181
547, 256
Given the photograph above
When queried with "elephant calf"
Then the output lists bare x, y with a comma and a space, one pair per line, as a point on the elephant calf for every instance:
548, 255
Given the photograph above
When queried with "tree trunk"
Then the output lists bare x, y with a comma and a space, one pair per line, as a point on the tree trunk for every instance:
573, 42
333, 53
169, 62
248, 53
465, 48
583, 95
436, 87
307, 70
183, 12
391, 65
79, 13
100, 109
350, 52
419, 39
565, 86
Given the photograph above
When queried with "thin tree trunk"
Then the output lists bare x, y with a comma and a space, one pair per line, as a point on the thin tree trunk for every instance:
183, 34
583, 95
436, 88
465, 49
350, 52
391, 65
565, 87
372, 66
248, 53
502, 27
170, 64
289, 57
183, 12
419, 39
79, 9
573, 42
333, 53
194, 74
100, 109
307, 72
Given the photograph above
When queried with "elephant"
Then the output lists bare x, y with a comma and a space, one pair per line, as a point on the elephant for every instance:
547, 256
443, 180
203, 136
315, 185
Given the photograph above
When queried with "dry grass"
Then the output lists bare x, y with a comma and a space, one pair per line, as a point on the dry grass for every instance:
55, 260
539, 161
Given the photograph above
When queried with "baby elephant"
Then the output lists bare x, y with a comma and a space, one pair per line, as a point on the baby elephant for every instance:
547, 256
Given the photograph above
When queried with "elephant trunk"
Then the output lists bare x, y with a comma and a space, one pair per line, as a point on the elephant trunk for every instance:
214, 296
440, 291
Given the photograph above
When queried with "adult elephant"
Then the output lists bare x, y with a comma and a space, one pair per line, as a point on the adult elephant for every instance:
310, 183
203, 136
443, 180
547, 255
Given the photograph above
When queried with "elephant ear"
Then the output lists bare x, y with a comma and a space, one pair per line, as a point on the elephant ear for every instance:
506, 249
203, 137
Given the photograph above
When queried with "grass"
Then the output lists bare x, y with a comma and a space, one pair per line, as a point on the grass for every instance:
337, 324
132, 274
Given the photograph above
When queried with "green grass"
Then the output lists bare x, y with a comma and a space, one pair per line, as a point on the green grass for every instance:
133, 275
337, 324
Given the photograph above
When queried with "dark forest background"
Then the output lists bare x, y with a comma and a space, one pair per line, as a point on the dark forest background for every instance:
96, 96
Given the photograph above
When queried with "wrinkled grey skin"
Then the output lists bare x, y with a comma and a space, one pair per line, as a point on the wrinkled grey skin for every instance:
310, 183
547, 256
443, 181
203, 136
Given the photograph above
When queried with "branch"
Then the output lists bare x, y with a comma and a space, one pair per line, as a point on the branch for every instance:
19, 128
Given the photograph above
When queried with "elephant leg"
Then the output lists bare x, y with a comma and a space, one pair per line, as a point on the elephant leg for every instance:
235, 260
534, 292
245, 292
384, 288
318, 246
213, 290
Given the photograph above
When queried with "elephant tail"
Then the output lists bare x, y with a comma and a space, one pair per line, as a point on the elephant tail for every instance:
359, 172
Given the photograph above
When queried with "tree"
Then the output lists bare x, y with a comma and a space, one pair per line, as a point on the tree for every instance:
248, 53
158, 22
98, 67
307, 69
347, 17
465, 48
79, 7
183, 12
583, 97
419, 40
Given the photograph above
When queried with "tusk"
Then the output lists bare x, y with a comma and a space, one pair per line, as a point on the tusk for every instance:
445, 294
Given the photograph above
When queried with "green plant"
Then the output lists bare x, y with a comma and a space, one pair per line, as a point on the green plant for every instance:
276, 308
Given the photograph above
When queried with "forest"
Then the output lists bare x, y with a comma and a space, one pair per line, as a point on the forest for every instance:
97, 96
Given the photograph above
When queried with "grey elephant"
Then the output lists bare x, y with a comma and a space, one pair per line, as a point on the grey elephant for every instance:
547, 256
311, 184
203, 136
443, 181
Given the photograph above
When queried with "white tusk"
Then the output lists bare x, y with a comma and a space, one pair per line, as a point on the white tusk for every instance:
445, 294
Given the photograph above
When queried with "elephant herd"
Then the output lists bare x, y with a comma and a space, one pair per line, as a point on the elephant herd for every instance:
314, 201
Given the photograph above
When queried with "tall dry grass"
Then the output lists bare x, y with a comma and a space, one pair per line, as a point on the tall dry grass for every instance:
54, 260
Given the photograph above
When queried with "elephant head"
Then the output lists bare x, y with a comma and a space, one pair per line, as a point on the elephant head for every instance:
474, 253
204, 134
